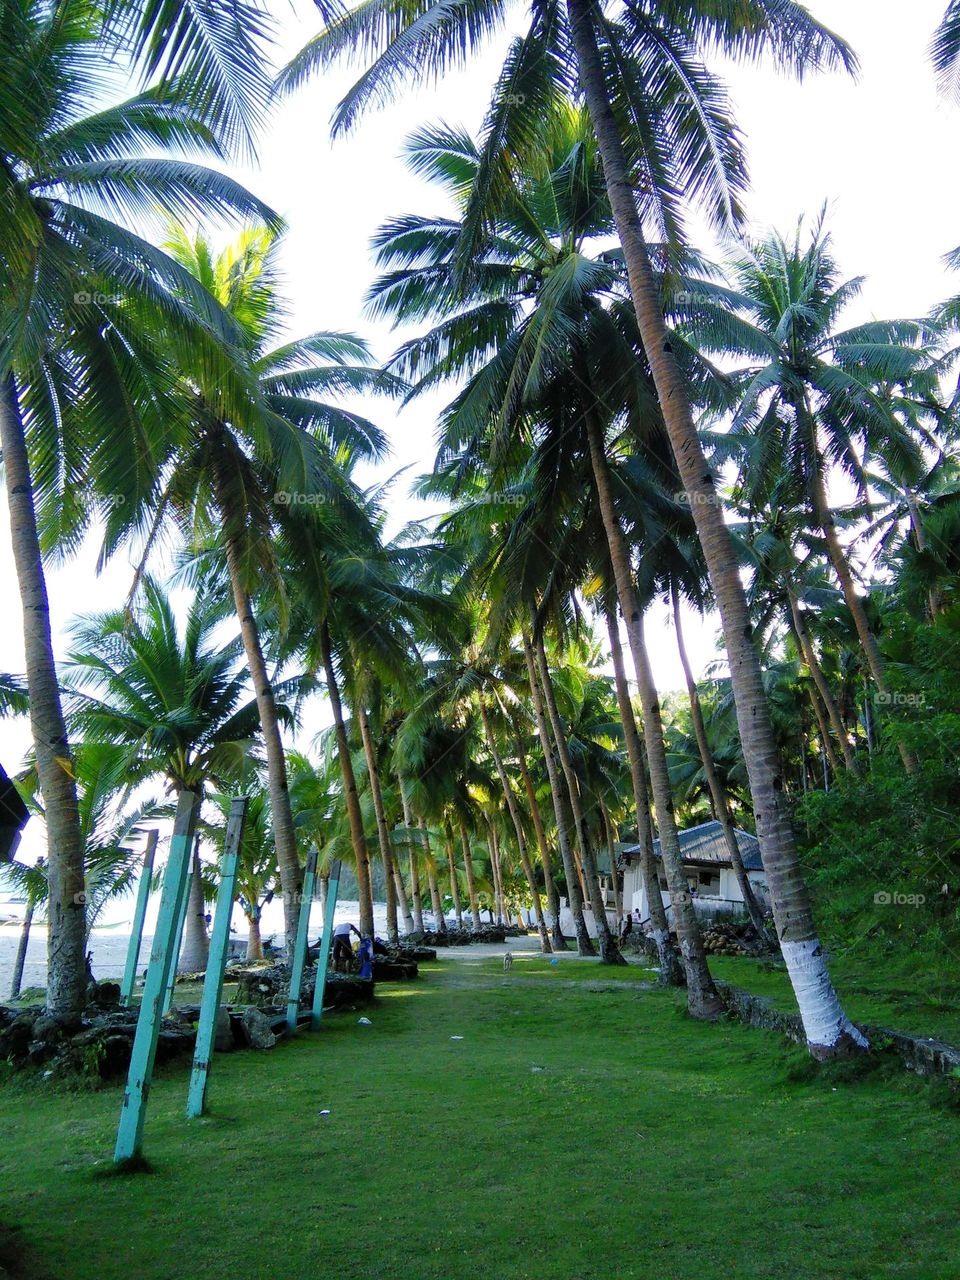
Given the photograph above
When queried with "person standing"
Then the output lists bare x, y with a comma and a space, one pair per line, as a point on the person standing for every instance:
342, 949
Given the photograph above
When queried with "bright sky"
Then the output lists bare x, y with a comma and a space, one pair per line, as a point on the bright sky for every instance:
877, 150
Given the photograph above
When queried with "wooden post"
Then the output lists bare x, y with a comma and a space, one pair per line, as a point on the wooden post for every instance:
134, 1110
323, 959
217, 962
300, 945
139, 915
170, 977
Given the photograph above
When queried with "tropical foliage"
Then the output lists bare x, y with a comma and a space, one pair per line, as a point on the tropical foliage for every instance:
635, 440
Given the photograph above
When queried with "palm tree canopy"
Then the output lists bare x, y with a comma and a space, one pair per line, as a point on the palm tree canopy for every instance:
173, 696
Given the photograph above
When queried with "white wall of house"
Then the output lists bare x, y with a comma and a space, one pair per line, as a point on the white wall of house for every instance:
566, 919
724, 890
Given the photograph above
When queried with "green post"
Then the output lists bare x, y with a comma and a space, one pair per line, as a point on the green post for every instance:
323, 959
134, 1110
170, 977
217, 962
300, 945
139, 915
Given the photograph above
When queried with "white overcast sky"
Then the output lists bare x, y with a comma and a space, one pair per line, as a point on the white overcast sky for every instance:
877, 150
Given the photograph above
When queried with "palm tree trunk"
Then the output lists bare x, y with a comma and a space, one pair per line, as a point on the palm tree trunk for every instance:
518, 828
585, 945
195, 950
550, 886
828, 753
471, 878
934, 599
383, 833
403, 902
838, 558
66, 930
358, 839
454, 878
494, 851
612, 855
671, 970
281, 811
827, 1027
254, 941
718, 796
609, 951
16, 981
808, 653
414, 869
435, 898
703, 1000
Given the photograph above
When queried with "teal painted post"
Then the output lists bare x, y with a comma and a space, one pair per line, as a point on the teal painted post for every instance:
217, 962
300, 946
139, 915
134, 1110
323, 959
170, 977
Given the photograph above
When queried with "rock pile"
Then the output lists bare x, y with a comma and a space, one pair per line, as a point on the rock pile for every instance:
467, 937
98, 1047
268, 988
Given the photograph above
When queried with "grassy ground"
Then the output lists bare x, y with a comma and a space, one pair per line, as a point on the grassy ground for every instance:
886, 993
573, 1132
892, 994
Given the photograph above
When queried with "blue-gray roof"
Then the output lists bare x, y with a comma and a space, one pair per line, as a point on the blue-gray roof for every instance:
706, 844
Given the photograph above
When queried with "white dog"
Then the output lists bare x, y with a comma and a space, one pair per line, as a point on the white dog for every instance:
507, 961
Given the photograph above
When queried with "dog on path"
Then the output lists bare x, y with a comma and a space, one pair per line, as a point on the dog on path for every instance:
507, 961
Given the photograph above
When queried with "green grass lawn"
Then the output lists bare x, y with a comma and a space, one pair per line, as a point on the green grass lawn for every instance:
571, 1134
899, 995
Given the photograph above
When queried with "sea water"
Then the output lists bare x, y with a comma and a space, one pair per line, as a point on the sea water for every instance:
109, 945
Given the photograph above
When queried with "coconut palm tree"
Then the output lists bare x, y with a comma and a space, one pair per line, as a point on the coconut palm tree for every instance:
227, 470
257, 880
83, 301
945, 48
172, 699
824, 393
663, 129
536, 371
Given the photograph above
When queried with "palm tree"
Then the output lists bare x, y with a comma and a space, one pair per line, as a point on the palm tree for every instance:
945, 49
537, 370
257, 880
670, 968
82, 301
681, 143
824, 393
172, 699
231, 468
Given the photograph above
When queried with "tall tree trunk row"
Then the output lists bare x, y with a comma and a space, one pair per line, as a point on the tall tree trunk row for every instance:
827, 1027
358, 838
574, 896
671, 971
